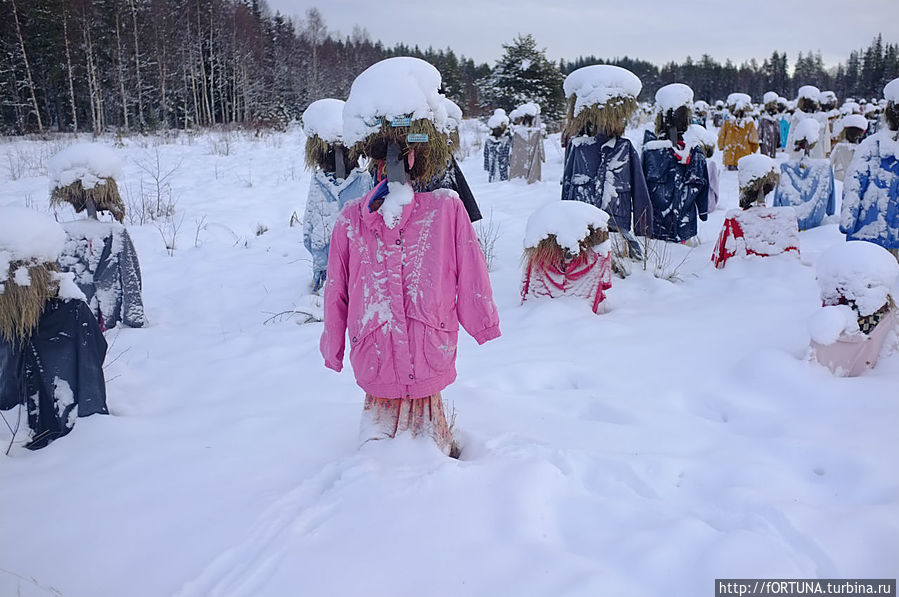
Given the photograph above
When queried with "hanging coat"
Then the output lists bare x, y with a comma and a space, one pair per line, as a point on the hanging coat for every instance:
784, 130
737, 138
526, 157
453, 179
496, 157
402, 293
103, 259
678, 188
327, 196
841, 156
713, 184
822, 147
57, 372
606, 172
870, 208
769, 135
806, 185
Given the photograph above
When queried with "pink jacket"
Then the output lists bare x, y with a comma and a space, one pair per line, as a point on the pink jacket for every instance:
402, 293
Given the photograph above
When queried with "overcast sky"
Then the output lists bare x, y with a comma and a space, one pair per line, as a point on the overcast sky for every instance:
654, 30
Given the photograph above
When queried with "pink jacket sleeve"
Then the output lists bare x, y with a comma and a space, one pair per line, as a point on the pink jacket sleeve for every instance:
333, 338
474, 296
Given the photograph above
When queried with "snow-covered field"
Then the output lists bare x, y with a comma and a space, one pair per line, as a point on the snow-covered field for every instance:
679, 437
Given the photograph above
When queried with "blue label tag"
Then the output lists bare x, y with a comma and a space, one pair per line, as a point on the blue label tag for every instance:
417, 138
401, 121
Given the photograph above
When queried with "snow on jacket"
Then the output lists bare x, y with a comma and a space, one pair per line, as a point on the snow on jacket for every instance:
822, 147
496, 157
806, 185
327, 196
526, 156
769, 134
870, 208
57, 372
737, 138
402, 292
678, 188
841, 156
606, 172
784, 130
104, 261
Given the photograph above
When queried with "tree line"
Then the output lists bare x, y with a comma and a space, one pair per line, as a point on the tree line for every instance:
140, 65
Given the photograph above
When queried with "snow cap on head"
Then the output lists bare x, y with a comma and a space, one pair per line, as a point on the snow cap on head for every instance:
528, 109
739, 101
568, 221
858, 271
673, 96
850, 107
769, 97
324, 118
854, 120
828, 97
891, 91
27, 235
393, 88
597, 84
808, 129
498, 119
89, 163
698, 135
809, 92
453, 114
700, 106
754, 166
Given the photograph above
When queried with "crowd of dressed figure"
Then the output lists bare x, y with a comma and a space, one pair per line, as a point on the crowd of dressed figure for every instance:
397, 266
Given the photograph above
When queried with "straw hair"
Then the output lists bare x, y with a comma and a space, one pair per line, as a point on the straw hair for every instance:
610, 118
749, 192
431, 158
548, 252
21, 306
105, 195
663, 115
316, 151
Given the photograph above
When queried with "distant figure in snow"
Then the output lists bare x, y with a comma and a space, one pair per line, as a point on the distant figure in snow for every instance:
601, 165
100, 254
527, 156
406, 268
452, 177
738, 136
698, 135
829, 110
718, 114
769, 125
51, 346
858, 312
808, 106
676, 173
806, 184
870, 209
336, 180
700, 113
852, 129
783, 107
497, 147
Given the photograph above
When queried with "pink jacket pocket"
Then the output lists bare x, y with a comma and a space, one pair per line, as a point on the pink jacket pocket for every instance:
367, 357
434, 344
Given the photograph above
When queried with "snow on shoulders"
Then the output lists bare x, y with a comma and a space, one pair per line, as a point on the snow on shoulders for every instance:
858, 271
87, 162
891, 91
673, 96
498, 119
27, 235
753, 167
657, 144
90, 228
829, 323
445, 194
697, 135
324, 118
596, 84
453, 114
399, 195
68, 289
528, 109
808, 129
568, 221
392, 88
739, 101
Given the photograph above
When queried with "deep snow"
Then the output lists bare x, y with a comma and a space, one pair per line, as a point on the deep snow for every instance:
679, 437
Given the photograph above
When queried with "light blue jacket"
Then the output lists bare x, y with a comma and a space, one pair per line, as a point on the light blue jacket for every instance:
871, 192
806, 185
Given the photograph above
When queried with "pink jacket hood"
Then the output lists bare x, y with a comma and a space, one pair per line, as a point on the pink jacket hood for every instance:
402, 292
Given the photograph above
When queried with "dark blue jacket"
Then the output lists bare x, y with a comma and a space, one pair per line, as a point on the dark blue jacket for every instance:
606, 172
496, 156
56, 372
679, 190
